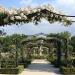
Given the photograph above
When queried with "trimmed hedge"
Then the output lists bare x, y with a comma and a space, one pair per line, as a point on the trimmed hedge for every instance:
67, 70
51, 58
8, 64
20, 68
9, 71
17, 70
25, 63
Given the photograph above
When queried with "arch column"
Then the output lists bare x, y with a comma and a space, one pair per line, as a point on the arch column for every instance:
59, 54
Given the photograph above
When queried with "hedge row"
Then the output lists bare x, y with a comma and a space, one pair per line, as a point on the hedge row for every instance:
25, 63
17, 70
67, 70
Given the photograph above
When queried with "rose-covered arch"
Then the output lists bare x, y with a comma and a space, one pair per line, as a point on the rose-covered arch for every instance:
26, 15
33, 42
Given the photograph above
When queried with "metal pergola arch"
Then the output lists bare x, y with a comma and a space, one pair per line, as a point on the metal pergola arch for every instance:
34, 15
47, 40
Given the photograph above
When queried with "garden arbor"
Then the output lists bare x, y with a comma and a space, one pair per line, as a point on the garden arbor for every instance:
39, 42
27, 15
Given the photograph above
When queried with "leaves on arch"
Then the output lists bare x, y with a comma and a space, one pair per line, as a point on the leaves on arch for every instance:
26, 15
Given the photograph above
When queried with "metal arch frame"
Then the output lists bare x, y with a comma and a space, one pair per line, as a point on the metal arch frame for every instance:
49, 40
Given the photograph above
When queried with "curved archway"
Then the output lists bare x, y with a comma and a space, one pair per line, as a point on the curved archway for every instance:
37, 42
18, 16
26, 15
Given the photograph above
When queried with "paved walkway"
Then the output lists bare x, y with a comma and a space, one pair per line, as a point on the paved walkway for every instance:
40, 67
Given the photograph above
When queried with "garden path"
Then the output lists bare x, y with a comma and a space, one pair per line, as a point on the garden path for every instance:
40, 67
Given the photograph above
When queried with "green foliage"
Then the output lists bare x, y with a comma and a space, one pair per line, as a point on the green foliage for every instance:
64, 35
73, 42
20, 68
25, 62
17, 70
67, 70
52, 59
9, 71
66, 62
35, 16
12, 45
9, 46
8, 64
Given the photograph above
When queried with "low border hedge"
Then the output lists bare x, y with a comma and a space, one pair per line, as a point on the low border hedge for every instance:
20, 68
25, 63
9, 71
67, 70
17, 70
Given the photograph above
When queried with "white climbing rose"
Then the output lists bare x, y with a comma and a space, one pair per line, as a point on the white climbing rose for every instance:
23, 16
18, 17
34, 10
38, 9
12, 11
12, 18
2, 9
27, 10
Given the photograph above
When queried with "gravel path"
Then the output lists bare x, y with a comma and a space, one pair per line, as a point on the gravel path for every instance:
40, 67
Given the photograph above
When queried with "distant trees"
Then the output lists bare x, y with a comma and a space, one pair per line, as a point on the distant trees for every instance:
2, 33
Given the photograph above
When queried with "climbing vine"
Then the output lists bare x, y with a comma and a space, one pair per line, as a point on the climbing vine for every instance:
26, 15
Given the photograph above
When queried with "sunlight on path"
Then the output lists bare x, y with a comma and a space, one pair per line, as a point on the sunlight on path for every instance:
40, 67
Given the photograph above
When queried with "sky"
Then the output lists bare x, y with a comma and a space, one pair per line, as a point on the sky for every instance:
66, 6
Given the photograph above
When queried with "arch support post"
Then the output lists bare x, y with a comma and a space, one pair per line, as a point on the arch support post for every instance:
59, 54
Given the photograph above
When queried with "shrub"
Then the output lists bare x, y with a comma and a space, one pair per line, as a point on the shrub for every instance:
67, 70
51, 58
17, 70
8, 71
20, 68
67, 62
25, 62
8, 64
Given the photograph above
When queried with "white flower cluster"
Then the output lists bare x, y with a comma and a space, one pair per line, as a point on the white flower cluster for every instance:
22, 13
18, 17
2, 9
23, 16
25, 10
12, 11
12, 18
